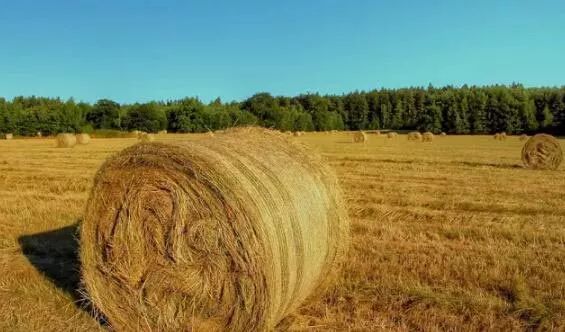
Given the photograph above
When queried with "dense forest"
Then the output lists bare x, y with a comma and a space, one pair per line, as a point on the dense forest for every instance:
476, 110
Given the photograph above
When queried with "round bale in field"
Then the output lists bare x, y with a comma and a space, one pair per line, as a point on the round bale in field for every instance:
523, 137
162, 132
542, 151
7, 136
66, 140
145, 137
83, 138
391, 134
427, 136
442, 134
359, 137
414, 136
230, 234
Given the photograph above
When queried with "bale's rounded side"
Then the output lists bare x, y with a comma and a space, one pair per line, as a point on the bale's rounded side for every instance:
360, 137
427, 136
542, 151
145, 137
229, 234
414, 136
83, 138
65, 140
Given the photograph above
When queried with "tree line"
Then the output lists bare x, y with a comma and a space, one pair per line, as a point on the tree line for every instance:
455, 110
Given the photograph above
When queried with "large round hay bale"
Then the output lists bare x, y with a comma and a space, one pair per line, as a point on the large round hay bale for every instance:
229, 234
427, 136
83, 138
65, 140
542, 151
391, 134
359, 137
145, 137
8, 136
414, 136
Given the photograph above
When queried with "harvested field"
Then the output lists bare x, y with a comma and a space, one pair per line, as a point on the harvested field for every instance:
454, 235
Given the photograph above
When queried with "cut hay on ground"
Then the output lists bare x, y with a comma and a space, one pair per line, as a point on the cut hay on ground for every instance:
414, 136
427, 136
66, 140
83, 138
359, 137
7, 136
145, 137
230, 234
542, 152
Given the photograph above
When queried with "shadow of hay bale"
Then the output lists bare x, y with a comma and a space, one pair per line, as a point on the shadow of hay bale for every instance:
55, 255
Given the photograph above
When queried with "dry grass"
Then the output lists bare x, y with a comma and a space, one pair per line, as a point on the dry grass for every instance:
454, 235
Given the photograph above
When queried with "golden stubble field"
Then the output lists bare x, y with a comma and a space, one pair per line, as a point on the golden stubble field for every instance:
448, 235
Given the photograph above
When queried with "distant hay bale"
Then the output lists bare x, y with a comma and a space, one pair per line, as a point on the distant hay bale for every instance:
134, 134
334, 131
523, 137
145, 137
414, 136
359, 137
8, 136
500, 136
162, 132
443, 134
66, 140
83, 138
427, 136
391, 134
542, 151
230, 234
211, 133
378, 132
297, 133
39, 134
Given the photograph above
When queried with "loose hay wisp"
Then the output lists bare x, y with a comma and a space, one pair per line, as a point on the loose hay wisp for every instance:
66, 140
229, 234
542, 151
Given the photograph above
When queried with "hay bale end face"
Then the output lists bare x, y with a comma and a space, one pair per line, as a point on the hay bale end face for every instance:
7, 136
542, 151
360, 137
66, 140
414, 136
230, 234
83, 139
427, 136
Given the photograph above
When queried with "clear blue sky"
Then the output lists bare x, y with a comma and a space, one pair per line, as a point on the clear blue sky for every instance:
142, 50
